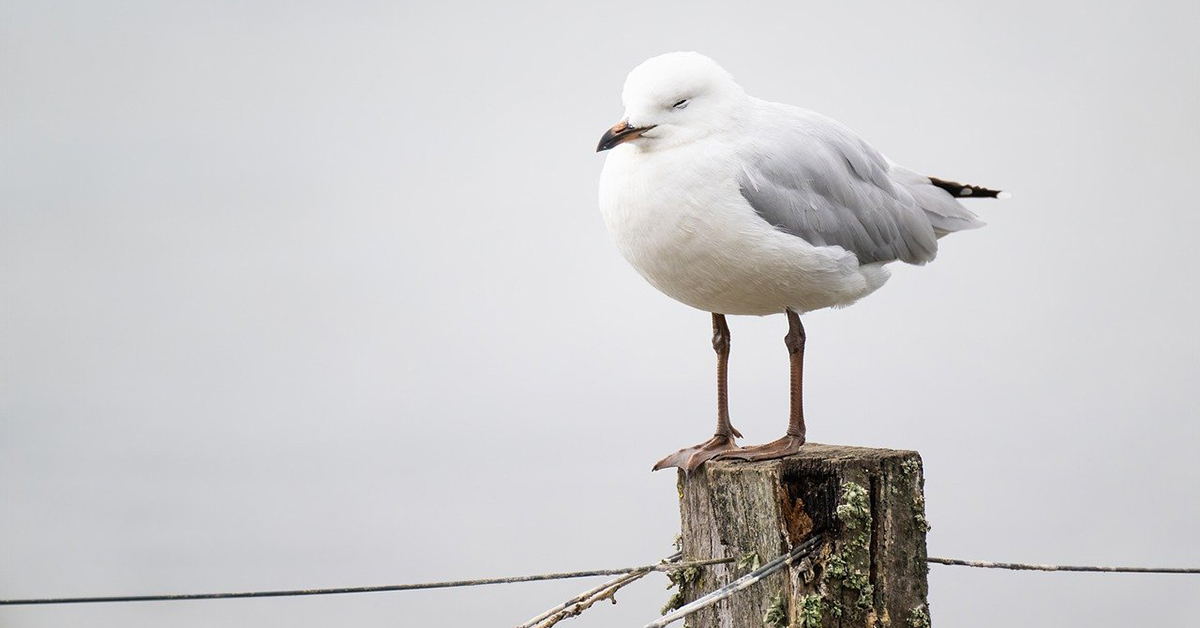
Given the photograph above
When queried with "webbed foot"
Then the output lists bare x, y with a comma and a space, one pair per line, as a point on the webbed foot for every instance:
781, 448
690, 458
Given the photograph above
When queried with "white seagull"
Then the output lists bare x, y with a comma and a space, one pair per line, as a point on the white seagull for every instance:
736, 205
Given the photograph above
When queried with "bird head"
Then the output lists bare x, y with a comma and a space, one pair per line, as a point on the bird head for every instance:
675, 99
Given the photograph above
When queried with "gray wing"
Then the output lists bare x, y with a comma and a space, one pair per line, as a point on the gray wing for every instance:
814, 178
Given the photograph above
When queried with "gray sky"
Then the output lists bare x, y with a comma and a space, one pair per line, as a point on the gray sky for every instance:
303, 295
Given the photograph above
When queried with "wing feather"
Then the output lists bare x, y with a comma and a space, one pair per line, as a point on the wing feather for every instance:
814, 178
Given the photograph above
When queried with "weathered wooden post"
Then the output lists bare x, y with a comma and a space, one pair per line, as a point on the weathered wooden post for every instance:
870, 570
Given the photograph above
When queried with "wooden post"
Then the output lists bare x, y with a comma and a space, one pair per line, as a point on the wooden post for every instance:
870, 570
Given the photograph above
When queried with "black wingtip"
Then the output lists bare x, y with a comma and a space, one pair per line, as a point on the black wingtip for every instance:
966, 190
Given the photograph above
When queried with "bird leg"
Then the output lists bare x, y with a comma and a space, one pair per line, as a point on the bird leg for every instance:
720, 342
791, 442
691, 457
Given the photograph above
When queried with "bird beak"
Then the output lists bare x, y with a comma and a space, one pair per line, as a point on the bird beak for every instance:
622, 132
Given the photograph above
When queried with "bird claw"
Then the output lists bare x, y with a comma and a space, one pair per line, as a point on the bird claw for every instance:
780, 448
690, 458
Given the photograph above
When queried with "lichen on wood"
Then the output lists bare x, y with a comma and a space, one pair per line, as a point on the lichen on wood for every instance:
679, 580
811, 608
919, 617
869, 507
777, 612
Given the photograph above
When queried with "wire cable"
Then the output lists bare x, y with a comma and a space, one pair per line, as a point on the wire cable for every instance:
448, 584
983, 564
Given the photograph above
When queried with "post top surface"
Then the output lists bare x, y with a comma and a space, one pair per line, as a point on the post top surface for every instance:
827, 453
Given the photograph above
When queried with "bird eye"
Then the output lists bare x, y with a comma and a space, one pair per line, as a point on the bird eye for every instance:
682, 104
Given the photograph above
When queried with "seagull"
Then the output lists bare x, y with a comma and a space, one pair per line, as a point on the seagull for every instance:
739, 206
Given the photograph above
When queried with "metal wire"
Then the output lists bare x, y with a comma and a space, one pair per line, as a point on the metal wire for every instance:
705, 601
983, 564
548, 576
373, 589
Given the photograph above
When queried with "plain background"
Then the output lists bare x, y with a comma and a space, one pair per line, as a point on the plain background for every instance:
305, 295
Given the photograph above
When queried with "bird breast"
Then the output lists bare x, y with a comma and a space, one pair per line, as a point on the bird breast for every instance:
679, 218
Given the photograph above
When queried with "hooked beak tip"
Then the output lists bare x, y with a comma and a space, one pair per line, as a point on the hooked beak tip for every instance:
620, 132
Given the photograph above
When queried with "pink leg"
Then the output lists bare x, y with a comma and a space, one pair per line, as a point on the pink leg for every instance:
791, 442
691, 457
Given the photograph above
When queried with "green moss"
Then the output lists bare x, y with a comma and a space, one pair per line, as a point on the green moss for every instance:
675, 601
918, 617
855, 507
835, 567
845, 573
847, 568
749, 561
811, 609
910, 467
680, 578
919, 513
776, 615
859, 583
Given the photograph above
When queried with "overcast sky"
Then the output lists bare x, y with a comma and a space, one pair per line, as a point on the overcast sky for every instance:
303, 294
